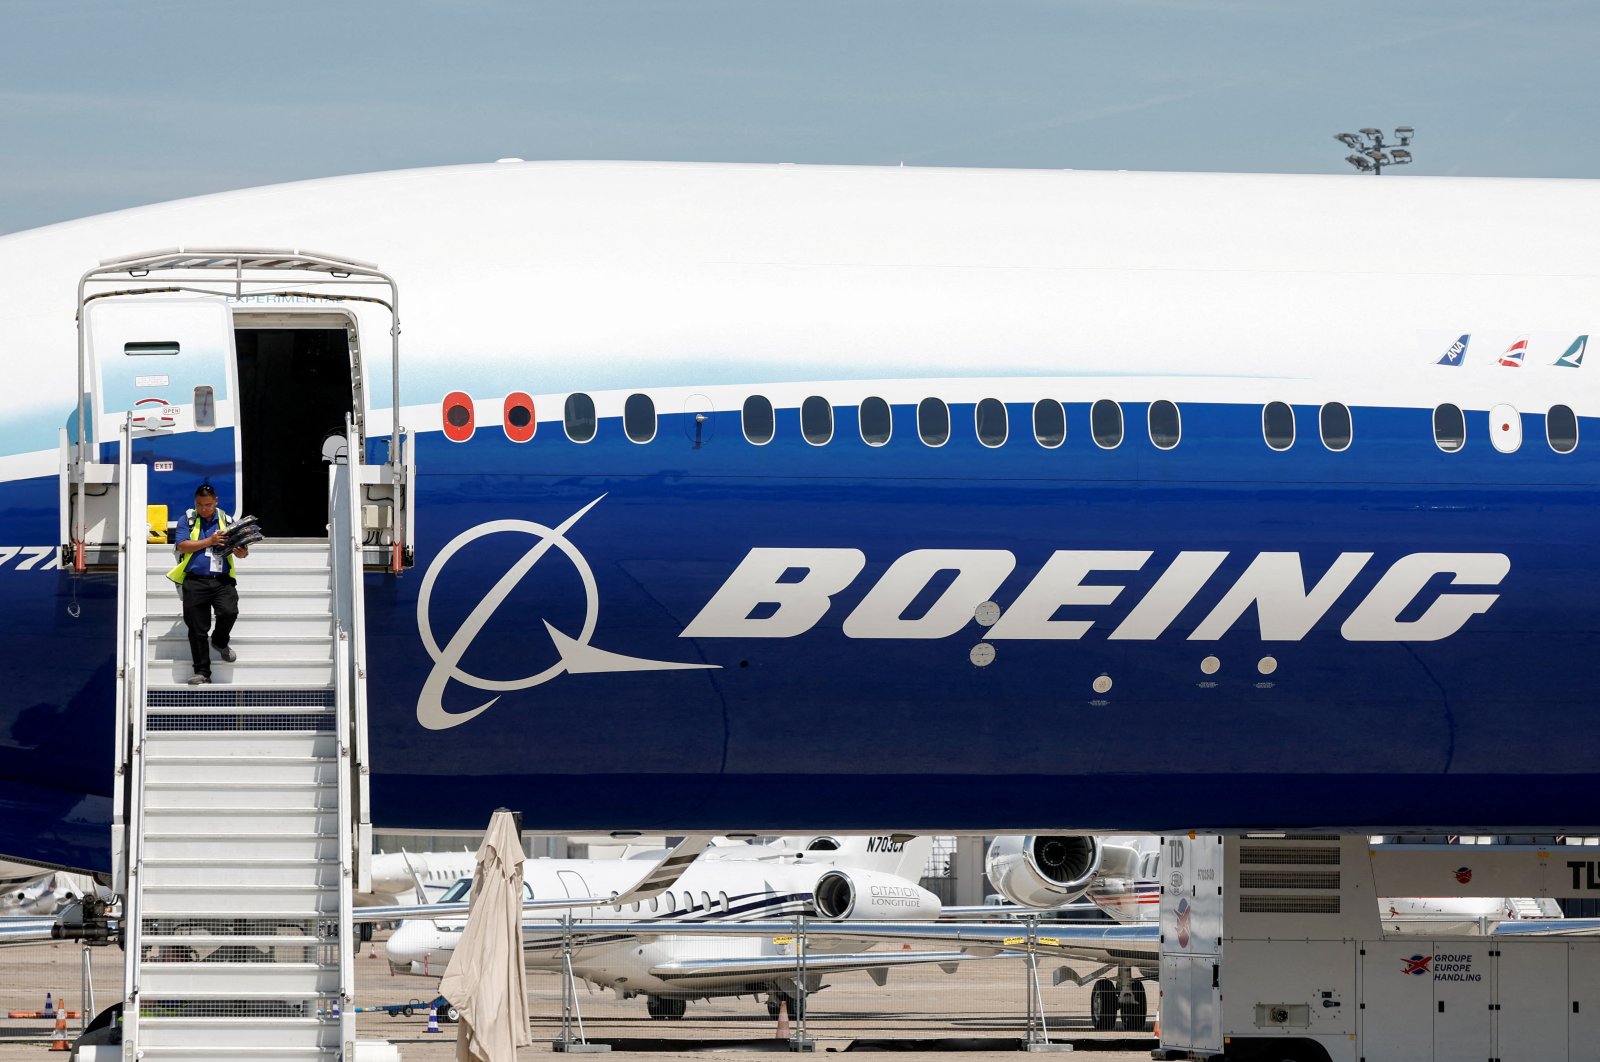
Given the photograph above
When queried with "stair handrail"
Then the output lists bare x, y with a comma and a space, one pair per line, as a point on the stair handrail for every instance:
133, 622
133, 898
360, 764
347, 972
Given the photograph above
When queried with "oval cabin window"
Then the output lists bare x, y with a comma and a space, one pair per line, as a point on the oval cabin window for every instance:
1277, 425
877, 421
1105, 424
757, 418
1166, 427
1049, 423
639, 418
577, 417
1561, 429
933, 421
989, 416
816, 420
1334, 422
1449, 427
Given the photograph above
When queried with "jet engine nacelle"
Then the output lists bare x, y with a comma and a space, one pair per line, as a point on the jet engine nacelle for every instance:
1043, 871
871, 896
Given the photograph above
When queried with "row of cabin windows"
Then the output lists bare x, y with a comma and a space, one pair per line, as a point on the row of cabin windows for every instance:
668, 903
992, 423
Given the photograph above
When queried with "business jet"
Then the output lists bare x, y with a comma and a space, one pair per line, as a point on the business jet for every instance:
425, 877
785, 499
812, 877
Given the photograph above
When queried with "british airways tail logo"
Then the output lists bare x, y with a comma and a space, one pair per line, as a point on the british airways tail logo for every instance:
1457, 352
1513, 356
575, 655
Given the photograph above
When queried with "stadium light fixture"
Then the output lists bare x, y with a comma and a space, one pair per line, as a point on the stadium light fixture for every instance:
1372, 153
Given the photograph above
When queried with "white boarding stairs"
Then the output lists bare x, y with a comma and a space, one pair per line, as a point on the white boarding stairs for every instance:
238, 935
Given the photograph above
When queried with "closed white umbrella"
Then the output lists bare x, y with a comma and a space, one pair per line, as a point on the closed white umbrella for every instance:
485, 980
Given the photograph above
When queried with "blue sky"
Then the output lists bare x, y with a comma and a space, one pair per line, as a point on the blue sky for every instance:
109, 105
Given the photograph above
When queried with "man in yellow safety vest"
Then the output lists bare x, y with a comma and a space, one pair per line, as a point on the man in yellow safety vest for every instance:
206, 577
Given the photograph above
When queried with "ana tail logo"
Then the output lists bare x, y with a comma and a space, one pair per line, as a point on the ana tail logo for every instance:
1457, 352
1573, 358
1513, 355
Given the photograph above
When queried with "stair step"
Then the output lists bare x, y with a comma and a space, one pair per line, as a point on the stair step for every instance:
267, 845
164, 796
205, 773
241, 1052
246, 1039
162, 873
212, 746
205, 943
220, 901
252, 623
269, 554
160, 588
197, 981
242, 822
307, 648
268, 601
244, 671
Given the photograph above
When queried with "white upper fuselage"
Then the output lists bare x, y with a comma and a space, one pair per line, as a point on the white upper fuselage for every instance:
609, 277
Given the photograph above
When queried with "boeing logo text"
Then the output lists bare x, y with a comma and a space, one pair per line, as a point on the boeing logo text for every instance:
762, 599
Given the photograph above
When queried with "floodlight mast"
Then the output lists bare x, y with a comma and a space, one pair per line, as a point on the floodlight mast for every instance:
1371, 153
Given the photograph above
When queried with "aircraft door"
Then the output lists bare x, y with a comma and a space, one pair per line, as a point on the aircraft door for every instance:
170, 363
573, 882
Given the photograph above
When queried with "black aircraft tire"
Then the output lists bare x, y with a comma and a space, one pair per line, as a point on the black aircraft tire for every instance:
1103, 1005
1134, 1012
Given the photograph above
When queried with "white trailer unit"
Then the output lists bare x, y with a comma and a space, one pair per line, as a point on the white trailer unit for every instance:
1273, 949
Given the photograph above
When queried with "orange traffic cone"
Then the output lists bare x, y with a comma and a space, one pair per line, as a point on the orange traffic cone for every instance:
783, 1019
60, 1042
1156, 1027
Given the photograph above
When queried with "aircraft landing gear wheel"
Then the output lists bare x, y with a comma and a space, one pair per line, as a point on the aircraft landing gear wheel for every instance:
775, 998
1103, 1005
1133, 1011
665, 1009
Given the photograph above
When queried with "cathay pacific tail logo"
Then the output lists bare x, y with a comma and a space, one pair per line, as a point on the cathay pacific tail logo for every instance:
575, 656
1573, 358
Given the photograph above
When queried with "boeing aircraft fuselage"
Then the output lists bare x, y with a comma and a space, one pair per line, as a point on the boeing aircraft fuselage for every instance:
774, 499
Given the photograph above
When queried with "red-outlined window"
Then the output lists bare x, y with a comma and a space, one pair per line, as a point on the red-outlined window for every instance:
457, 417
518, 419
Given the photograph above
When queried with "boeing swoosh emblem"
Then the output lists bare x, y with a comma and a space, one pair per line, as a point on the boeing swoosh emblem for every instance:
576, 655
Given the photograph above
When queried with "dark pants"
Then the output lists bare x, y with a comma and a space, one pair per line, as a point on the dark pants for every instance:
201, 595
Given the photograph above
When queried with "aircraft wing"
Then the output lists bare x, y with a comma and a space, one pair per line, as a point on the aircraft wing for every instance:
1547, 927
654, 881
1012, 910
1122, 945
757, 966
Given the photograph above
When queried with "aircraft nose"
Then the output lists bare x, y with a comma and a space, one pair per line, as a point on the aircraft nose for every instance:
412, 942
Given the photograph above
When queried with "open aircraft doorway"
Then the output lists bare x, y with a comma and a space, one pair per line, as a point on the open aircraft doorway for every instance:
295, 390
